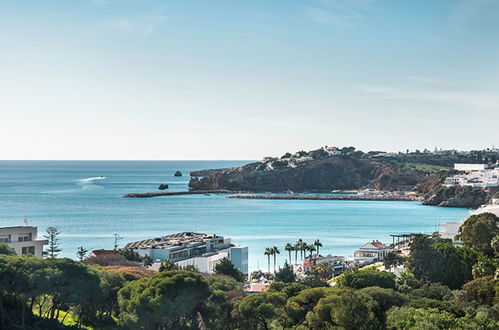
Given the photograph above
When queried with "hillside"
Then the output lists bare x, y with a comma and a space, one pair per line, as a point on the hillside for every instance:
319, 170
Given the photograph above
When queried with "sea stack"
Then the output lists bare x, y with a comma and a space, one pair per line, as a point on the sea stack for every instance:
163, 186
178, 173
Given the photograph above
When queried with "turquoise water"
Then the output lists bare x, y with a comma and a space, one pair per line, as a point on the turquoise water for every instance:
88, 212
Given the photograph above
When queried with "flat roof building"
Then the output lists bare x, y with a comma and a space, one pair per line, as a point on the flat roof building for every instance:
23, 239
190, 248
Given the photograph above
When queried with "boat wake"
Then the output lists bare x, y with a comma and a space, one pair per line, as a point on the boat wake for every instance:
88, 183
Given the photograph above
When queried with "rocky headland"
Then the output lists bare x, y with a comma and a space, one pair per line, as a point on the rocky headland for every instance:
329, 169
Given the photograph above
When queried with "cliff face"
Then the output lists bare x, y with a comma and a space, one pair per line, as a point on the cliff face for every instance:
456, 196
315, 175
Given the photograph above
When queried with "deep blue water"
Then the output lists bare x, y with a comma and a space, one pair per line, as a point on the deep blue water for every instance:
89, 212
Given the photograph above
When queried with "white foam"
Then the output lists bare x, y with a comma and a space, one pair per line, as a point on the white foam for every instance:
92, 179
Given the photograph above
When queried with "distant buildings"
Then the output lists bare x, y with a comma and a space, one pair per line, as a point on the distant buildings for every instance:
477, 175
23, 239
189, 248
371, 252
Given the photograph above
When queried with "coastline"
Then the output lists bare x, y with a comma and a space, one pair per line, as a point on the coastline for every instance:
327, 197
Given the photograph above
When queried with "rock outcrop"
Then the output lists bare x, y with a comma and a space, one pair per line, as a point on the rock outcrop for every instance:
178, 173
455, 196
163, 186
321, 175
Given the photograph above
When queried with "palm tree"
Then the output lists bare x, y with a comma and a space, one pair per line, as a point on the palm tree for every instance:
300, 246
311, 248
318, 245
304, 248
275, 252
297, 248
268, 253
289, 247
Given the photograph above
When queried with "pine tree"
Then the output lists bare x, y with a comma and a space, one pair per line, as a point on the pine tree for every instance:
53, 238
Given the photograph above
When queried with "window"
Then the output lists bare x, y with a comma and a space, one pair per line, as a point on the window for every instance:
24, 238
28, 250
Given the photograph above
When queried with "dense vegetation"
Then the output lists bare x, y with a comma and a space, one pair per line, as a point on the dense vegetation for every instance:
442, 287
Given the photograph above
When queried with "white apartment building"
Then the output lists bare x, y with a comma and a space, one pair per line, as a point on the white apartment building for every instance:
477, 176
189, 248
23, 239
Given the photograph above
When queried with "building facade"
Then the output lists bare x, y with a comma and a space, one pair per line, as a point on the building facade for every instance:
23, 239
189, 248
371, 252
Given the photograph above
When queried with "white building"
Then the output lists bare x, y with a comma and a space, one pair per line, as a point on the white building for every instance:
189, 248
474, 178
371, 252
471, 167
23, 239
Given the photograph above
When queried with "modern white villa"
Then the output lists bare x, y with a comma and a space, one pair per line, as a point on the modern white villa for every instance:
189, 248
23, 239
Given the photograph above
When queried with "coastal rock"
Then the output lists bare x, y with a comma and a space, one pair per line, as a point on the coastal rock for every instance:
312, 175
435, 193
163, 186
457, 197
178, 173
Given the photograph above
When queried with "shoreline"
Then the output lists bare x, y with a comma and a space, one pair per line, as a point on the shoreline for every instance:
327, 197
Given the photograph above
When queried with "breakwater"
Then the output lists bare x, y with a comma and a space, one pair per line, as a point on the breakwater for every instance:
328, 197
175, 193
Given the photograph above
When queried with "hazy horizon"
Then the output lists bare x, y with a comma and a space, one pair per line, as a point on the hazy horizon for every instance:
199, 80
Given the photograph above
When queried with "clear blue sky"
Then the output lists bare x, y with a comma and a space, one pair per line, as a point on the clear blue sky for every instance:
123, 79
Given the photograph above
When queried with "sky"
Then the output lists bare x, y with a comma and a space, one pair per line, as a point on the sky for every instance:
151, 79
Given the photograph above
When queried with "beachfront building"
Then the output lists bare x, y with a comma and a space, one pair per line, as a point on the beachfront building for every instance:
197, 249
337, 262
23, 239
371, 252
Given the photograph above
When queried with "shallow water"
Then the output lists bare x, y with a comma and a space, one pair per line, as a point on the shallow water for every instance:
89, 209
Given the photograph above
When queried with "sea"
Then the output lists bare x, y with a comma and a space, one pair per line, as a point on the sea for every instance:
84, 200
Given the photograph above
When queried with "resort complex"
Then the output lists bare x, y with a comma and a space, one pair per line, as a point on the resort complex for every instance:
197, 249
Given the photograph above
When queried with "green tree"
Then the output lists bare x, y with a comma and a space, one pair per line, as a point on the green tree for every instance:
258, 311
483, 291
289, 248
226, 267
392, 260
355, 311
484, 267
53, 245
431, 260
324, 270
167, 265
311, 248
406, 318
478, 231
268, 253
274, 252
168, 300
289, 289
147, 261
318, 245
81, 253
363, 278
285, 274
6, 250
